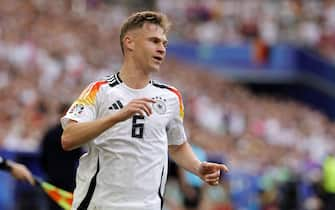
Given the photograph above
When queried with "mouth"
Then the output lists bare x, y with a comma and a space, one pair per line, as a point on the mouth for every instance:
158, 59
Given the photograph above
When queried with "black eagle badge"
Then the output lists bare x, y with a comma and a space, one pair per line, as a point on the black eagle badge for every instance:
159, 106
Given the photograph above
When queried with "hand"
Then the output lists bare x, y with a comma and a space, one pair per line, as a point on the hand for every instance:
137, 106
21, 172
210, 172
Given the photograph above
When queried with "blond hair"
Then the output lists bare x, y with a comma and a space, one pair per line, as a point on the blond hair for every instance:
137, 20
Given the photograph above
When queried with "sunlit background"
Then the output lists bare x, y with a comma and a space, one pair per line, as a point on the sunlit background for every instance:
257, 79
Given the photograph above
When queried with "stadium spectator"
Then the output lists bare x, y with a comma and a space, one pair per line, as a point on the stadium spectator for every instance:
58, 165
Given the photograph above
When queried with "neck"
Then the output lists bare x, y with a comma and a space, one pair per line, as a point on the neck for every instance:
133, 76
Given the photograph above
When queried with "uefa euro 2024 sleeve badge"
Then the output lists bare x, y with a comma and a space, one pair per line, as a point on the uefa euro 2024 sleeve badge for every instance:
159, 106
77, 109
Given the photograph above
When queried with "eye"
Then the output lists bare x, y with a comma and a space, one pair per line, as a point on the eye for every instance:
157, 41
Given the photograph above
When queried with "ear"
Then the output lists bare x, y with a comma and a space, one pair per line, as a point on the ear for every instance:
128, 43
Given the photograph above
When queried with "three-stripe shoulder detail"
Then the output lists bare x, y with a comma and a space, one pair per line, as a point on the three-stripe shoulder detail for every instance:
164, 86
113, 80
88, 96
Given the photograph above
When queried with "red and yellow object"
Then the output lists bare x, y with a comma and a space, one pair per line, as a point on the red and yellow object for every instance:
61, 197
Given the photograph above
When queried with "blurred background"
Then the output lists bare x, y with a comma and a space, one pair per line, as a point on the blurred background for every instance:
258, 84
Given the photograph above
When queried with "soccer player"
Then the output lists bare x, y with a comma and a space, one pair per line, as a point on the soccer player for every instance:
17, 170
130, 123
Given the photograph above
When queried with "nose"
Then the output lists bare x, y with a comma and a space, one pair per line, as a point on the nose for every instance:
161, 49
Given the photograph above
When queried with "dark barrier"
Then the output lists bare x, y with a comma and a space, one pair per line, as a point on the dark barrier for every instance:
281, 63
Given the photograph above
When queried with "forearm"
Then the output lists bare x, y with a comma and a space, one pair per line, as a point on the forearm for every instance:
185, 157
76, 134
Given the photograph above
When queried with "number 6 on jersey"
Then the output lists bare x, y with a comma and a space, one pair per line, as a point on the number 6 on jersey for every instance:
137, 127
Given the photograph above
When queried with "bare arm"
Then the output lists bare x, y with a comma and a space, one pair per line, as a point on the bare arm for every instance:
184, 157
76, 134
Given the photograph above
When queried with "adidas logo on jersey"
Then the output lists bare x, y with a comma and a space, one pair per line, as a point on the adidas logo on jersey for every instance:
116, 106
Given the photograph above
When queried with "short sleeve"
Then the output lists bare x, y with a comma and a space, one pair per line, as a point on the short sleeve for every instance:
175, 127
84, 109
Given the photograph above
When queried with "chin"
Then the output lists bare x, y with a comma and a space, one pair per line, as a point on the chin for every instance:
155, 68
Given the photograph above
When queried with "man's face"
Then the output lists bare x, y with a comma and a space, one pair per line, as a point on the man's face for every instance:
149, 47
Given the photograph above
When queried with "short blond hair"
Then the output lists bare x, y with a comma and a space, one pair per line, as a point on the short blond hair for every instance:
137, 20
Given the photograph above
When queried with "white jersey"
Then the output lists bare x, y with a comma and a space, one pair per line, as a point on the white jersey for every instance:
125, 167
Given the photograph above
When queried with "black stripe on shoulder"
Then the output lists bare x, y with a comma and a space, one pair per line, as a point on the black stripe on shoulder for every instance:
160, 85
113, 80
118, 77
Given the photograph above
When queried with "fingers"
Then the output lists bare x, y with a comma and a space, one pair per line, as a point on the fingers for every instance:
20, 172
30, 178
149, 100
214, 166
141, 106
211, 172
27, 177
213, 177
214, 183
222, 167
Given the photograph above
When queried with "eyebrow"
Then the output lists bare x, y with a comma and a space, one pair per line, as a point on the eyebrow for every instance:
165, 41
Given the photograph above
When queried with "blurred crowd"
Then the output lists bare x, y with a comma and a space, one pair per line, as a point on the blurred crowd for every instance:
308, 23
281, 141
50, 50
